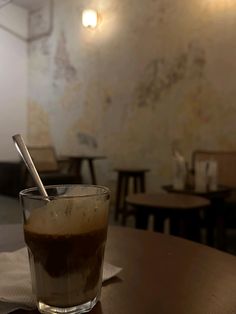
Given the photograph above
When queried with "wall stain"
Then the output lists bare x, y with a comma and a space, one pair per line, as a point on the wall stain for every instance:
198, 60
162, 13
162, 75
64, 68
87, 139
108, 100
80, 139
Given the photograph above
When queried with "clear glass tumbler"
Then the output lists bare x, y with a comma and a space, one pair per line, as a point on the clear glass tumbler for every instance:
66, 238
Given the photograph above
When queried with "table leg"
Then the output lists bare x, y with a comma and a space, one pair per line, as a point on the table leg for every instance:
141, 217
186, 225
76, 166
220, 227
192, 226
176, 226
216, 222
92, 171
143, 183
159, 223
210, 225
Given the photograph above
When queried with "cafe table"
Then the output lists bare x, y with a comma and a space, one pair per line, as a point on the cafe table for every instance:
214, 217
161, 274
76, 162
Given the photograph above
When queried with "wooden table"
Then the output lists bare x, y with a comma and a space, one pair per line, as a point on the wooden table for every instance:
76, 162
161, 274
182, 210
214, 218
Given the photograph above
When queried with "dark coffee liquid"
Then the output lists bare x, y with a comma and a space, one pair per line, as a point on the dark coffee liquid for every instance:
66, 269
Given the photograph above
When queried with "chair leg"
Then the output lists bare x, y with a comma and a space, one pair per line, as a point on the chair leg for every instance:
92, 172
78, 167
142, 182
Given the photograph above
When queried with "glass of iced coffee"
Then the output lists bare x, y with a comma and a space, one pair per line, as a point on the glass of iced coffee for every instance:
66, 235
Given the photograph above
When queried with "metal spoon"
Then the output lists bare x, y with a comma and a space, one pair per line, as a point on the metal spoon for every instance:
24, 153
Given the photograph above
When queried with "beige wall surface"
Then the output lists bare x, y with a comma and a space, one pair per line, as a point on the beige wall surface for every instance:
154, 75
13, 78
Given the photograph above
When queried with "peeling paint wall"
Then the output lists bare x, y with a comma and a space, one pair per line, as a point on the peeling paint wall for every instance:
153, 74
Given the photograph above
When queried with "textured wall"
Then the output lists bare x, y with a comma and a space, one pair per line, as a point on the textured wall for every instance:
13, 79
154, 74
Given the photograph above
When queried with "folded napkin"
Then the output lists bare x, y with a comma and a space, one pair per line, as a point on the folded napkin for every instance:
15, 281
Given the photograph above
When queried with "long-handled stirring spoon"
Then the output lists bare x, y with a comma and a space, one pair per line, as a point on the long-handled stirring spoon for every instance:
25, 155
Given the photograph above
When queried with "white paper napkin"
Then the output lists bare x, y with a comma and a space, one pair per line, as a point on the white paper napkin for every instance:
15, 281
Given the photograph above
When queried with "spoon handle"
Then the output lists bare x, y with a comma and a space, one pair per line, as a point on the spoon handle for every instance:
23, 151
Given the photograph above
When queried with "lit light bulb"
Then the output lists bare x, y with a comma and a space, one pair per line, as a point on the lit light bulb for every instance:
89, 18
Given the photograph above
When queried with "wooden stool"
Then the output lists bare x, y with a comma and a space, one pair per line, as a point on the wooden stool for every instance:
124, 177
182, 210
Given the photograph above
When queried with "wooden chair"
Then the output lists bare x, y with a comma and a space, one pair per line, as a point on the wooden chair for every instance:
51, 170
226, 161
226, 165
11, 174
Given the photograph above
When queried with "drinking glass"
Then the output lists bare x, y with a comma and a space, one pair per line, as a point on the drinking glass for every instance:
66, 235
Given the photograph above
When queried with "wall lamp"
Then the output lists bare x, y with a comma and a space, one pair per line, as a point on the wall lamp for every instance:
90, 18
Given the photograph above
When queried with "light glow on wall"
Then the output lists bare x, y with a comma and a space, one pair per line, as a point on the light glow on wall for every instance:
221, 4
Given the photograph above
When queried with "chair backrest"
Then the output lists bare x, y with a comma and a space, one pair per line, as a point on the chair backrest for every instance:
44, 158
226, 161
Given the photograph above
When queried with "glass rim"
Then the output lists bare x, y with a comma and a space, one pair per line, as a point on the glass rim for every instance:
28, 192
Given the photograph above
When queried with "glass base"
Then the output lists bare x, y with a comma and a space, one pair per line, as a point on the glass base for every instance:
82, 308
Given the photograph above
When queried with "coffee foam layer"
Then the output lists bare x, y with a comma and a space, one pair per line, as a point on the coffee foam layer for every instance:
68, 216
